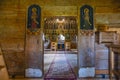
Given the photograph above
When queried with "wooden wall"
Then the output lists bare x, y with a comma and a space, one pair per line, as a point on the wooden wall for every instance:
13, 15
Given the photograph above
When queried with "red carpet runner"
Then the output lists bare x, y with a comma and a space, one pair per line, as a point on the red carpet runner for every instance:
60, 69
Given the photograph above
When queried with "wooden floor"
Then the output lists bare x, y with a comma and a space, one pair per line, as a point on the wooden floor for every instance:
4, 74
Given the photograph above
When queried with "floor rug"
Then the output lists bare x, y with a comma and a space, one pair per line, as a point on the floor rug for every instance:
60, 69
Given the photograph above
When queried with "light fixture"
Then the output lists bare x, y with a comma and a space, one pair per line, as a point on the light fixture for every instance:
63, 20
57, 20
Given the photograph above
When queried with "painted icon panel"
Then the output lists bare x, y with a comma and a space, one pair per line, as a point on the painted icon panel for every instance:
86, 18
34, 18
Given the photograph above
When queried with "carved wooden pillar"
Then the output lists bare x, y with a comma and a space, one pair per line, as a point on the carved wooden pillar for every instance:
86, 37
86, 53
33, 47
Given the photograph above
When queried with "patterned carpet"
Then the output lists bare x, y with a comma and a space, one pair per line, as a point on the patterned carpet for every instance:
60, 69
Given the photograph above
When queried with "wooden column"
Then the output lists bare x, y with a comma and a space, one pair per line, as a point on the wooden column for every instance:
86, 53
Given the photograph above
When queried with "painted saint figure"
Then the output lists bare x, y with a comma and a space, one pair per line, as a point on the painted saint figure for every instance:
34, 17
87, 23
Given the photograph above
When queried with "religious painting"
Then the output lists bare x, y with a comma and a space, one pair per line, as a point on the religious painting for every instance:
34, 18
86, 18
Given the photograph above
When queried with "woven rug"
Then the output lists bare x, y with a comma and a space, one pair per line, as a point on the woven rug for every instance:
60, 69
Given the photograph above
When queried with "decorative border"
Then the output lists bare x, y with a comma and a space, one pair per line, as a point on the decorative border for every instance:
87, 32
33, 33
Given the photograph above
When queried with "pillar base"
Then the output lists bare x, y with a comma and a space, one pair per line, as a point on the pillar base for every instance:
30, 72
87, 72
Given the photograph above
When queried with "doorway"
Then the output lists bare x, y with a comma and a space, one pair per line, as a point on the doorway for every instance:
60, 47
60, 30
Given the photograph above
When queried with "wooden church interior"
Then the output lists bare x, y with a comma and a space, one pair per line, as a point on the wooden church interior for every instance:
59, 44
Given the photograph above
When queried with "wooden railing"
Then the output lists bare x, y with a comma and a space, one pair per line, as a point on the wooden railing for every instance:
114, 50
